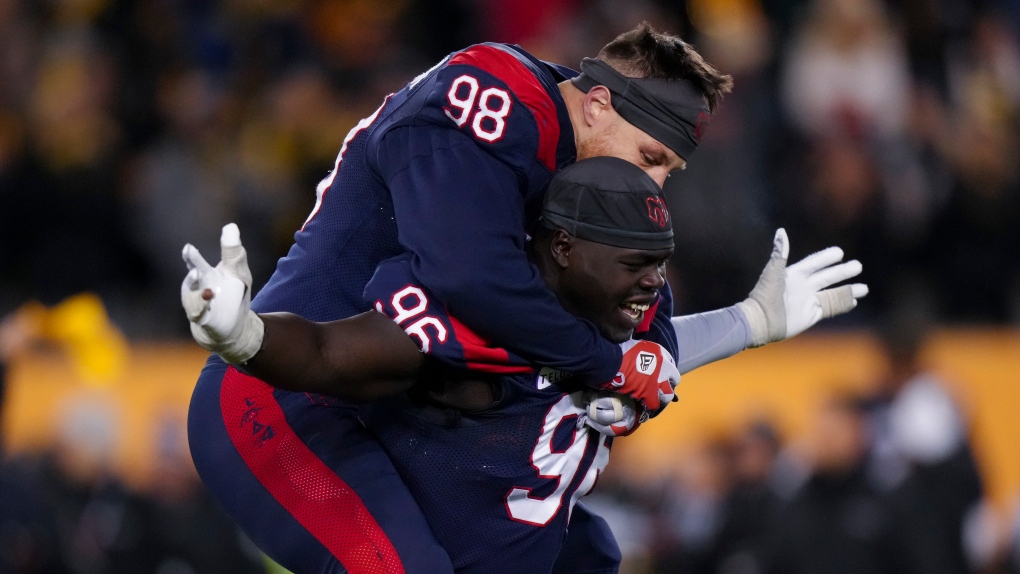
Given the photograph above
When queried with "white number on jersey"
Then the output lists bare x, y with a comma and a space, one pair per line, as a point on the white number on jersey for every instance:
405, 313
561, 466
493, 106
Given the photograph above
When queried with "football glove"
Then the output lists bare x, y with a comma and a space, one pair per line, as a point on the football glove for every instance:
217, 300
788, 300
612, 414
647, 373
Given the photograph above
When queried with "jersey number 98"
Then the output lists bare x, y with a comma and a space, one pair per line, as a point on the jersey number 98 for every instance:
488, 109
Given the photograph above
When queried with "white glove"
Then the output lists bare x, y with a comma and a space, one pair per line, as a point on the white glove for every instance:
217, 300
612, 414
788, 300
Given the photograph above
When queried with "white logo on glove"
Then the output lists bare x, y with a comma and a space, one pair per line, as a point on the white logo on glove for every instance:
645, 363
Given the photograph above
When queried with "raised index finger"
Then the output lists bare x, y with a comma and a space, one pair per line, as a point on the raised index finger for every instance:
194, 259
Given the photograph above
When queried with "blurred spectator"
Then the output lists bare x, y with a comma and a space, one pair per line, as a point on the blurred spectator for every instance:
846, 72
836, 521
853, 175
692, 510
180, 191
920, 450
1012, 565
106, 527
978, 237
188, 529
98, 517
749, 512
628, 508
28, 531
727, 185
61, 179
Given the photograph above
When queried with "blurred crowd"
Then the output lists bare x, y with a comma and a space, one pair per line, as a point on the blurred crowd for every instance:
65, 510
884, 481
888, 127
130, 127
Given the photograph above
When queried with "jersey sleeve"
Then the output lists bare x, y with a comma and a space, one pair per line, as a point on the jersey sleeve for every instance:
460, 195
395, 292
704, 338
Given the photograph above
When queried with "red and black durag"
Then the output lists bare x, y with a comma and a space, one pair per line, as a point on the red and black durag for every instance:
611, 201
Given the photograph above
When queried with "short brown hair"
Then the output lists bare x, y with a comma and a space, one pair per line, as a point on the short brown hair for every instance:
646, 53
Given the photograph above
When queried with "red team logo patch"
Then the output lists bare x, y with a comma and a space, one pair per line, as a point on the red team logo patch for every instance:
699, 129
657, 211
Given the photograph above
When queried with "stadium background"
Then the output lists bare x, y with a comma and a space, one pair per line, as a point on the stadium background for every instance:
129, 127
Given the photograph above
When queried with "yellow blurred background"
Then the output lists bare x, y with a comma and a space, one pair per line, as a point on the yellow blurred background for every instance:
783, 382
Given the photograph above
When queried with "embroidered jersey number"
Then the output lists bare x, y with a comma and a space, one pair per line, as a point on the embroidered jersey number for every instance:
561, 466
405, 312
493, 106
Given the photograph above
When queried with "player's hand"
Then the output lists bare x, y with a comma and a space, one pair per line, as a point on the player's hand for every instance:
217, 300
788, 300
612, 414
647, 373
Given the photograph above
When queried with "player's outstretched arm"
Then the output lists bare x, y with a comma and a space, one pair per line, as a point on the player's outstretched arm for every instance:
789, 300
785, 302
361, 358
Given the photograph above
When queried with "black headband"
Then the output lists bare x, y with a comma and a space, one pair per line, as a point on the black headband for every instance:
611, 201
674, 112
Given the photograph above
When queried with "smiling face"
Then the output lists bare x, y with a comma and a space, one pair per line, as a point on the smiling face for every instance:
610, 286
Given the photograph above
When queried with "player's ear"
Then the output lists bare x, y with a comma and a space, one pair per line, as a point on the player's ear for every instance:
560, 248
596, 103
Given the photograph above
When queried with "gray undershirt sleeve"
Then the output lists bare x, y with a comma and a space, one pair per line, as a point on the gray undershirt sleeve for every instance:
707, 337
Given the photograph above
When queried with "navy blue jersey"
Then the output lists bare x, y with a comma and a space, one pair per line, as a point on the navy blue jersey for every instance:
451, 170
395, 292
443, 179
497, 485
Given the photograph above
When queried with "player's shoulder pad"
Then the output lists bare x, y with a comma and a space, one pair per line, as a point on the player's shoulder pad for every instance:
504, 100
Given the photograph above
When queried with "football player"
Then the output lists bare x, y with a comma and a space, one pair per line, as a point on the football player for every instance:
495, 462
449, 172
